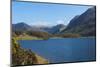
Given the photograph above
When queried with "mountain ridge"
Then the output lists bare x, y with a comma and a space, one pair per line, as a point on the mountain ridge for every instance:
84, 24
25, 27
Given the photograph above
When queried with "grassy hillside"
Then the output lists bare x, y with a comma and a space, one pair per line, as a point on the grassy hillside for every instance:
22, 56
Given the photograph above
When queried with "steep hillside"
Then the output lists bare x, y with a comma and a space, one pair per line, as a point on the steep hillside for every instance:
84, 24
22, 56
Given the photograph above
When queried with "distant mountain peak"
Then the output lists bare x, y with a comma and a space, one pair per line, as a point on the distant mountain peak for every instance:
21, 23
21, 26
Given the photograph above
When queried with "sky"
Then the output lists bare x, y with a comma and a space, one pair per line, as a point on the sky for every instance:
45, 14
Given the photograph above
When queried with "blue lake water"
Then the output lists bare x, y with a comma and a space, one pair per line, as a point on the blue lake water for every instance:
63, 50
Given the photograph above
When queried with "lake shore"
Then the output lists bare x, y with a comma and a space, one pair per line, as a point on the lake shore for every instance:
69, 37
22, 56
37, 38
41, 60
27, 37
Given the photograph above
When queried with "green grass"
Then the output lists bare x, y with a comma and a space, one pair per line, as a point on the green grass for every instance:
26, 37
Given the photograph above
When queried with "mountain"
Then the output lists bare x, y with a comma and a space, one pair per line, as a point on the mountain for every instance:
52, 30
56, 29
36, 28
84, 24
25, 27
21, 27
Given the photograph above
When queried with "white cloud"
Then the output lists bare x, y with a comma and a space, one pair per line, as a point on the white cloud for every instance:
46, 23
42, 23
60, 22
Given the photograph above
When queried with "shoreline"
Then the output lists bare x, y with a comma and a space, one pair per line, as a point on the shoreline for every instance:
43, 60
21, 56
53, 38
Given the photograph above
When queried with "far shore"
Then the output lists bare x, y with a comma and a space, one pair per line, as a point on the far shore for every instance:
37, 38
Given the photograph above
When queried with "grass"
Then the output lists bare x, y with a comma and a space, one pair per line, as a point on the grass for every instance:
41, 60
22, 56
27, 37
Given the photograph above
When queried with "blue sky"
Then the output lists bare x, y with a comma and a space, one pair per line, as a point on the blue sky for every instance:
45, 14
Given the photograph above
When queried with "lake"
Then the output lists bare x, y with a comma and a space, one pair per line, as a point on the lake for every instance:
63, 50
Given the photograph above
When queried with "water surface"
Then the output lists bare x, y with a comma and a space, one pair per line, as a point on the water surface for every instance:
63, 50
